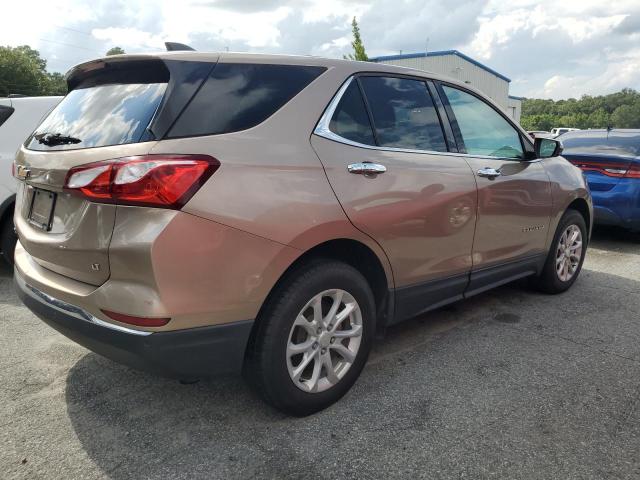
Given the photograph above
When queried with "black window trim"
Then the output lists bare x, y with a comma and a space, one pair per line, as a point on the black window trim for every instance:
322, 127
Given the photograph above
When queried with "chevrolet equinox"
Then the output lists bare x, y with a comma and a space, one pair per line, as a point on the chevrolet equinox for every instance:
193, 214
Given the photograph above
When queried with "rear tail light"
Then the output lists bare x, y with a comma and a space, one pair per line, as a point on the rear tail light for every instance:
610, 169
165, 181
633, 172
138, 321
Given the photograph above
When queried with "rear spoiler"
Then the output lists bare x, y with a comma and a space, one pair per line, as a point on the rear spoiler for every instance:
178, 47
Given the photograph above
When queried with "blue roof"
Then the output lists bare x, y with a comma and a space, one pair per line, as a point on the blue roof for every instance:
440, 54
517, 98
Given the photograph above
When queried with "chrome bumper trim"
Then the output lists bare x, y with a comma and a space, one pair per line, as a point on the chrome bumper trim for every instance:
71, 310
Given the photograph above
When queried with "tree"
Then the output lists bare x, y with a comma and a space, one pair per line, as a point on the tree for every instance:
55, 84
620, 110
626, 116
359, 52
22, 71
115, 51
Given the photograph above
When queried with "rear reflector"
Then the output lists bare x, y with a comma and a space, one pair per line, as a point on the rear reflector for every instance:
165, 181
138, 321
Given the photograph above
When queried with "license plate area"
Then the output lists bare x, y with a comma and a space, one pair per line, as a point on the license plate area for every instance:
43, 203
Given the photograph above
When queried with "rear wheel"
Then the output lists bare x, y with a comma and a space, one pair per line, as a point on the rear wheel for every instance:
313, 338
566, 256
8, 239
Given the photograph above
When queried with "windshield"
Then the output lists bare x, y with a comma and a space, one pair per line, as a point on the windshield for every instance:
112, 114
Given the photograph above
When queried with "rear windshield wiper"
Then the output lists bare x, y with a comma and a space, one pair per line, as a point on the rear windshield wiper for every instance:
53, 139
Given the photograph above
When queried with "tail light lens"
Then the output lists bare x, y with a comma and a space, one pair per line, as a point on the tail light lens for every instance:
622, 170
164, 181
633, 172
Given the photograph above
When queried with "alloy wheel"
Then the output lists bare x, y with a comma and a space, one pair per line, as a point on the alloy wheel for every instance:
324, 340
569, 253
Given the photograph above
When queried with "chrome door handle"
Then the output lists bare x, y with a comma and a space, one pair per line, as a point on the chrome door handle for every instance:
489, 172
366, 168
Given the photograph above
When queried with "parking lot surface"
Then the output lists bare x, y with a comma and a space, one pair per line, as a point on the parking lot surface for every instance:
509, 384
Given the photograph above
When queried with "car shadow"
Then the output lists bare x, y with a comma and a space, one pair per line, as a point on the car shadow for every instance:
616, 239
136, 425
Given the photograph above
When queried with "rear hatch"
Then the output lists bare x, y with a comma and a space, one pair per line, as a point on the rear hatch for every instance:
606, 156
116, 107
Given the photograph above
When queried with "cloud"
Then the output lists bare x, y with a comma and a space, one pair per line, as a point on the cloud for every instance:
548, 48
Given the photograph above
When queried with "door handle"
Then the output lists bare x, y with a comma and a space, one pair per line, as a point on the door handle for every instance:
366, 168
488, 172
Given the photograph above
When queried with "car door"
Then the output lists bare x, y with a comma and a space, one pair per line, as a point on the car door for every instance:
514, 192
387, 158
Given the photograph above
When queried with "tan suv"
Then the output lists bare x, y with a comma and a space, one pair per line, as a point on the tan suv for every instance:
192, 214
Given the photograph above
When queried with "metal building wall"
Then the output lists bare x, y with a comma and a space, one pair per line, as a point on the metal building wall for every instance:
514, 107
460, 69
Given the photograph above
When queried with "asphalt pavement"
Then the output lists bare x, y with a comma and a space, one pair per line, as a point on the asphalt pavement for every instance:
509, 384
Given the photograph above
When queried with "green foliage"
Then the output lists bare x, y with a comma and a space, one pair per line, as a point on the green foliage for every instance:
23, 71
618, 110
359, 52
115, 51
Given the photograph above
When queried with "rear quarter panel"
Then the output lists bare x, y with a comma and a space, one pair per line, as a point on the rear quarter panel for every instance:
271, 183
567, 185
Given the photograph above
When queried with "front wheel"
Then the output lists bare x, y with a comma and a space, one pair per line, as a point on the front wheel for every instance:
313, 338
566, 256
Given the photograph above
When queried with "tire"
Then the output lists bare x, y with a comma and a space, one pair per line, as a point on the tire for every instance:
8, 239
551, 280
271, 366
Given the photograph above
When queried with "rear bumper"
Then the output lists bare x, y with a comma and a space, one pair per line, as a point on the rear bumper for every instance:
619, 206
189, 353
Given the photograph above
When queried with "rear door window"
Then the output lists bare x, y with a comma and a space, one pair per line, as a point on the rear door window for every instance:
240, 96
484, 131
403, 112
97, 116
350, 119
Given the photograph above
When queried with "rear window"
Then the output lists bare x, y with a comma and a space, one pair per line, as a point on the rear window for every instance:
618, 143
240, 96
97, 116
5, 113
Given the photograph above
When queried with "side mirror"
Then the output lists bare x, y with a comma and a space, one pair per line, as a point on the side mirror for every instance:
547, 147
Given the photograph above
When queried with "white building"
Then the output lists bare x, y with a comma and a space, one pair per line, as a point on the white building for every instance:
455, 64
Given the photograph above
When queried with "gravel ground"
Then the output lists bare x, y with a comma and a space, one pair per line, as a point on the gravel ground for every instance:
510, 384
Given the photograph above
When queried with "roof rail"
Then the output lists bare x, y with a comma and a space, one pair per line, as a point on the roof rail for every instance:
177, 47
16, 95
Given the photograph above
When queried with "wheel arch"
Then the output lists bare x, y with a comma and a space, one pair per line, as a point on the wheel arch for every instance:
582, 207
353, 253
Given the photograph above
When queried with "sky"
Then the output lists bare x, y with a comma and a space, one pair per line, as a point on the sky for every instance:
550, 49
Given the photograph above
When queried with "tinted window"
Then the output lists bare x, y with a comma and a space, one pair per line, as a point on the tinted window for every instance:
97, 116
350, 120
5, 112
403, 114
484, 131
615, 142
240, 96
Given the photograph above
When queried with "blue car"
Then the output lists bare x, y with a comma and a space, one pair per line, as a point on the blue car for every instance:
610, 160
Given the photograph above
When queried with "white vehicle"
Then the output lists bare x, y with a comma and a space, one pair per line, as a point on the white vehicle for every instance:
18, 118
556, 132
539, 134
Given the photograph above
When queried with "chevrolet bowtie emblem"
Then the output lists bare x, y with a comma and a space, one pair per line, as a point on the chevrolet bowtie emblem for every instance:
22, 172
